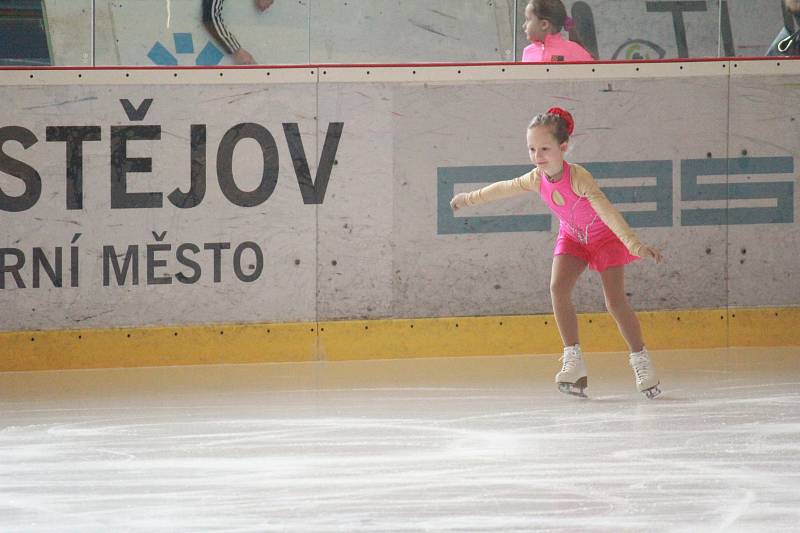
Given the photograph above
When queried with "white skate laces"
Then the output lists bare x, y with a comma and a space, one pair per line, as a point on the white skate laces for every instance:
572, 377
571, 358
645, 373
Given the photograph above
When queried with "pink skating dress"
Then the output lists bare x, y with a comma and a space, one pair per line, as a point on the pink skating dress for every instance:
581, 232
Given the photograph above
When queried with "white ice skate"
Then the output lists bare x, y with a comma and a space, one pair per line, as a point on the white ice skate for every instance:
646, 377
572, 378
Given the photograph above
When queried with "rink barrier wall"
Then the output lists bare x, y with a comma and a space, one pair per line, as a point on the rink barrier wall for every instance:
399, 72
318, 325
386, 339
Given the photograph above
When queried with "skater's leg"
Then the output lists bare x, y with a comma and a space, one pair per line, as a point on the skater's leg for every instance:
620, 308
617, 304
565, 273
566, 270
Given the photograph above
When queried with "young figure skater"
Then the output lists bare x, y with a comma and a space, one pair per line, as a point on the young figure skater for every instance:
592, 232
544, 20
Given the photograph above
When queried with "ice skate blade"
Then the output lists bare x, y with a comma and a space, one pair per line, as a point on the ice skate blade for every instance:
652, 392
574, 389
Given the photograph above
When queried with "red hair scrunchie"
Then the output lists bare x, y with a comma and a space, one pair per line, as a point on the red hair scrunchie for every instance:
565, 116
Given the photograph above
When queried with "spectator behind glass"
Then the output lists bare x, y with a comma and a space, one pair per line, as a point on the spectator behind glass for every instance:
212, 18
544, 20
787, 43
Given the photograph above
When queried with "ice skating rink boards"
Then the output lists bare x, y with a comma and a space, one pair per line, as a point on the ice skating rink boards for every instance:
385, 339
447, 444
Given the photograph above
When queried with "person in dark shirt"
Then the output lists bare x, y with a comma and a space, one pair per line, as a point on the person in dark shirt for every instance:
212, 18
787, 43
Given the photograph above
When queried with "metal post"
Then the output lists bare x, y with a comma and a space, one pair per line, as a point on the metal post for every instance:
94, 64
514, 32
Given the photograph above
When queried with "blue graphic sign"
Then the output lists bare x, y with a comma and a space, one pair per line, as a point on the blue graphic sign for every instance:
660, 194
184, 45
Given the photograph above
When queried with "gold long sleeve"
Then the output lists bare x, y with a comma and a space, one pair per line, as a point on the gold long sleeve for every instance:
585, 185
528, 182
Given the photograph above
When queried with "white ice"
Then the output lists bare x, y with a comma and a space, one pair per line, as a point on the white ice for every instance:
472, 444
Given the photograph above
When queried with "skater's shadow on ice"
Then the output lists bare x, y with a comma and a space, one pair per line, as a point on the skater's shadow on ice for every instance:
669, 398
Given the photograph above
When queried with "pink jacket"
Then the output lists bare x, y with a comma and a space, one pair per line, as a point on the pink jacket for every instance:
554, 48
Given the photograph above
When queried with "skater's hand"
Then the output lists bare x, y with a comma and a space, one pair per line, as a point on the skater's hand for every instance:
459, 201
652, 253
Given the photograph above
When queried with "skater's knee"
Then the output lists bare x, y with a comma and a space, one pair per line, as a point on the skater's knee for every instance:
617, 305
560, 289
614, 294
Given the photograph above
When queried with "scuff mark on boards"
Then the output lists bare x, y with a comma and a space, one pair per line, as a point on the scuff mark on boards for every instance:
443, 14
58, 104
427, 27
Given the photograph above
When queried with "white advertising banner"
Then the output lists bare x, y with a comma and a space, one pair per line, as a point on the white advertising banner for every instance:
151, 204
137, 205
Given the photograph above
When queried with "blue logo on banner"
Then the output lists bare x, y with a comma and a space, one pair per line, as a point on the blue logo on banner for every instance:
184, 45
660, 194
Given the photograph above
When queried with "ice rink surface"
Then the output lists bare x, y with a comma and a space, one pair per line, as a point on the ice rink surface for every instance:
456, 444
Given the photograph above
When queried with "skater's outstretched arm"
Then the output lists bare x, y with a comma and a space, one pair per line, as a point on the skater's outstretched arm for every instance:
528, 182
585, 185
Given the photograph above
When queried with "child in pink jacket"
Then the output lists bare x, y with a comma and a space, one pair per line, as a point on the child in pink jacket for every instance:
543, 22
592, 233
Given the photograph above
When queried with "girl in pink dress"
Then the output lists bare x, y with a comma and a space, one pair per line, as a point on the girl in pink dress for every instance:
592, 233
544, 20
